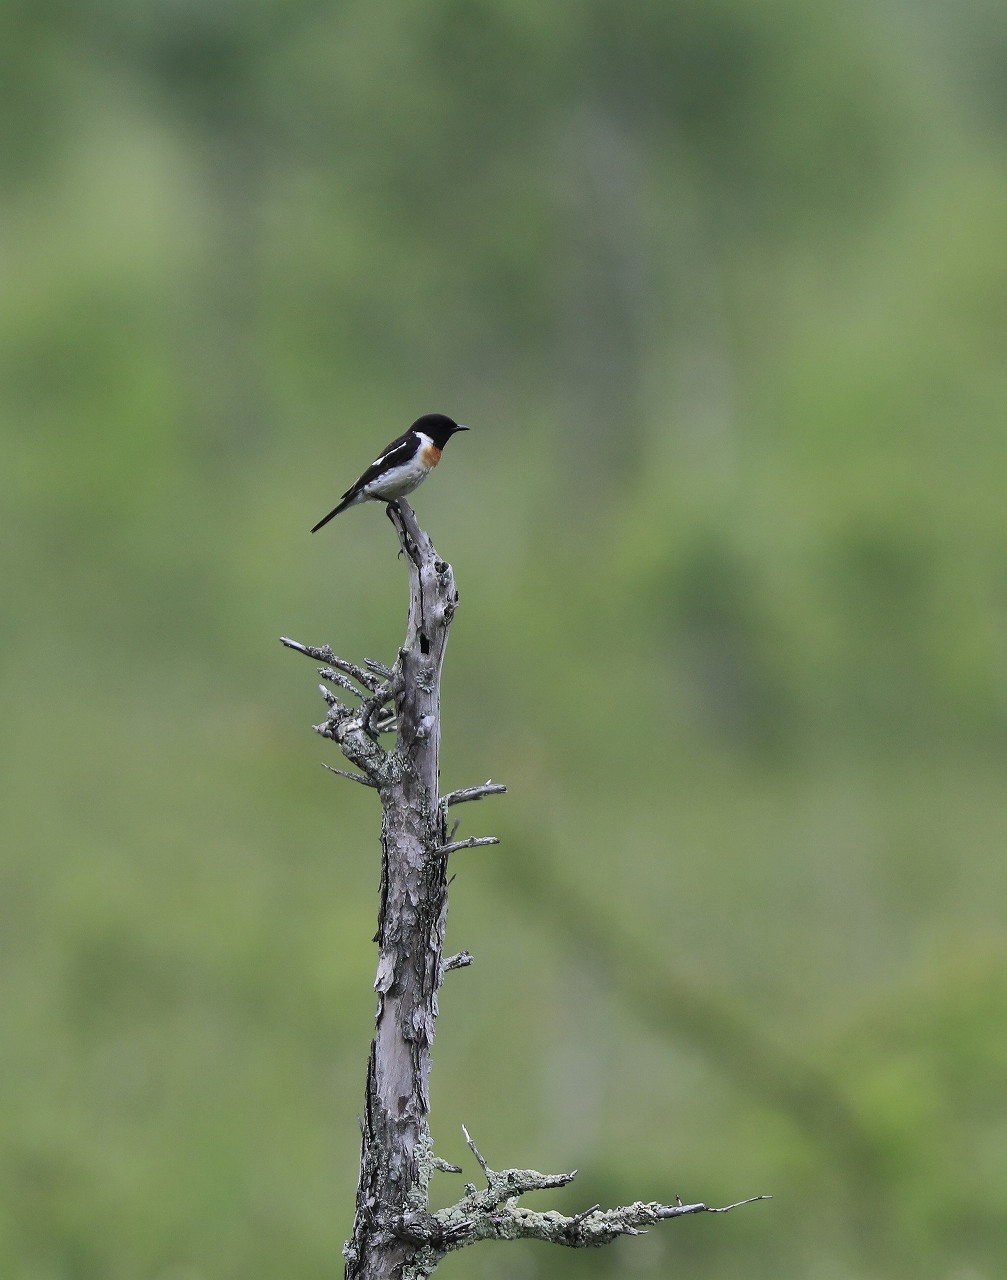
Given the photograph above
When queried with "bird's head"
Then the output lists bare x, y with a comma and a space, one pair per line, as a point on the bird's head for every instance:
439, 427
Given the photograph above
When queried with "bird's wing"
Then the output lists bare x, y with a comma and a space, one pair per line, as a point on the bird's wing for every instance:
393, 455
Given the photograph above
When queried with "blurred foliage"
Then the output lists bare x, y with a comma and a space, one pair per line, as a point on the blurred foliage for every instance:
721, 289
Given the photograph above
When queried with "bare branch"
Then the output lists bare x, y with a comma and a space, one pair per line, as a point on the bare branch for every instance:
377, 718
322, 653
296, 644
677, 1210
473, 793
578, 1218
475, 1151
474, 842
494, 1214
460, 961
353, 777
343, 682
348, 730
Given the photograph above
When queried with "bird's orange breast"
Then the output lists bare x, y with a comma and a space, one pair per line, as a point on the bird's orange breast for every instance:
430, 455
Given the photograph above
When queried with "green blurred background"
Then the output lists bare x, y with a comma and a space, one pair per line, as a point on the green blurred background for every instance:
722, 290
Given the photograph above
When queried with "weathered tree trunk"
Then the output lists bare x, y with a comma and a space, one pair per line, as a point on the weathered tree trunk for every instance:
411, 923
396, 1160
395, 1236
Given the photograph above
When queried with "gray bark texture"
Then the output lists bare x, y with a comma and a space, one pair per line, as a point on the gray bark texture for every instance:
395, 1235
411, 923
395, 1159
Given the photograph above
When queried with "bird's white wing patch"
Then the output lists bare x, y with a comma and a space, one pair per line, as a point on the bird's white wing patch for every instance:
391, 479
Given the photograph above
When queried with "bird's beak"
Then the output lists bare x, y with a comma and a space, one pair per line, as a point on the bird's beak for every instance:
459, 427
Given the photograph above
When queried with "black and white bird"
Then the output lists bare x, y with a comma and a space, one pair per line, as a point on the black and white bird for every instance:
401, 466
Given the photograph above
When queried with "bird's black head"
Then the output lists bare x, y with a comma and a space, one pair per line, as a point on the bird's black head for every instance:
438, 427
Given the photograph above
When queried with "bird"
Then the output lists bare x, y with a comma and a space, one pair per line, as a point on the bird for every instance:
401, 466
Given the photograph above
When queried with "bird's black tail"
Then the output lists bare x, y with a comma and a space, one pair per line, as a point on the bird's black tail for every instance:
346, 502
